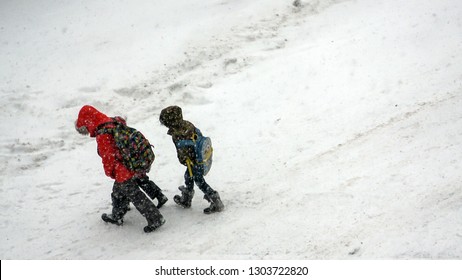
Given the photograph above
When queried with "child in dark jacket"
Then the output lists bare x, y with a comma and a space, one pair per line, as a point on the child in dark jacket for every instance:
180, 129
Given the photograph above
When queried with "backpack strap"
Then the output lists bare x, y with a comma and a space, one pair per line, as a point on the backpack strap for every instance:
198, 134
185, 143
190, 164
189, 142
103, 129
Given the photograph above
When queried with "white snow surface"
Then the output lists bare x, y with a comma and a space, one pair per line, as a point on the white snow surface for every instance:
337, 126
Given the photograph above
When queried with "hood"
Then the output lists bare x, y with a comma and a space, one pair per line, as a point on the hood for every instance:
91, 118
171, 116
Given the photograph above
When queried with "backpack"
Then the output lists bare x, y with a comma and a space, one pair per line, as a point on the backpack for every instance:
202, 149
135, 150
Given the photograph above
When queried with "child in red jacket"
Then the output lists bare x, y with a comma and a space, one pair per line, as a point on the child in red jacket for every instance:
127, 184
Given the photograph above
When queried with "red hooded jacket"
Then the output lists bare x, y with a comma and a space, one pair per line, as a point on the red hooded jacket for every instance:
91, 118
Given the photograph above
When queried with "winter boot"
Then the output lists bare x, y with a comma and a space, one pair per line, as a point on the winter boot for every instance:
162, 199
153, 191
154, 226
111, 219
215, 203
185, 199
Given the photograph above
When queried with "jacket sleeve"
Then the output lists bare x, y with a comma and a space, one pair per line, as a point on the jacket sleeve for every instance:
185, 153
107, 151
184, 132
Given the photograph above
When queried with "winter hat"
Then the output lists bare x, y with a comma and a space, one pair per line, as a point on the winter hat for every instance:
90, 118
171, 116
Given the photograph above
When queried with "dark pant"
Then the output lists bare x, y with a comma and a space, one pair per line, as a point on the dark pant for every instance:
198, 178
149, 187
129, 191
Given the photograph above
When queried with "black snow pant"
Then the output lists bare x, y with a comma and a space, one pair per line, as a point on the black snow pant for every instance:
149, 187
198, 178
129, 191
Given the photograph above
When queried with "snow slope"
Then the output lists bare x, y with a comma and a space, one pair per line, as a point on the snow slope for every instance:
336, 125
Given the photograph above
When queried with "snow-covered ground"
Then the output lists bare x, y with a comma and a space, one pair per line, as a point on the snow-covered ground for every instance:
337, 126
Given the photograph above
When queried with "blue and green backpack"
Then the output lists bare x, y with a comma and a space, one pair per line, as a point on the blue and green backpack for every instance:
202, 149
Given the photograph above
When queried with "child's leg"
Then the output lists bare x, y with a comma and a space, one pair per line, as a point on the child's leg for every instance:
210, 195
145, 206
119, 202
152, 190
198, 178
188, 180
187, 193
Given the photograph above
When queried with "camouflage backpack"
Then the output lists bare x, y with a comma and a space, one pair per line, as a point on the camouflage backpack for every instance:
134, 148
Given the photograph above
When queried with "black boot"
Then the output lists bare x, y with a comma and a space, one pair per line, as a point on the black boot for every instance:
126, 209
186, 197
215, 203
161, 200
153, 191
155, 225
111, 219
